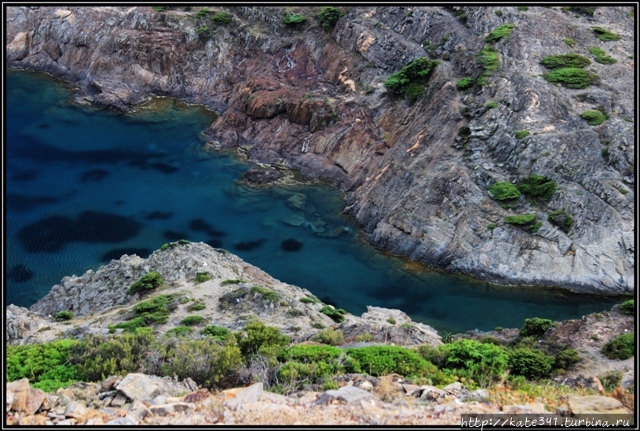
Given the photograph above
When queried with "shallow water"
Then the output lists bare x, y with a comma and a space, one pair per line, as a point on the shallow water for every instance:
85, 185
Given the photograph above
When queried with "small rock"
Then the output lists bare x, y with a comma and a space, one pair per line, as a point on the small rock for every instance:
25, 398
127, 420
109, 383
453, 388
118, 401
169, 409
137, 386
367, 386
250, 394
196, 397
411, 390
348, 394
75, 409
297, 202
33, 420
595, 404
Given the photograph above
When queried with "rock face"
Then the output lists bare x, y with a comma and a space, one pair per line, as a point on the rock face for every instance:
416, 184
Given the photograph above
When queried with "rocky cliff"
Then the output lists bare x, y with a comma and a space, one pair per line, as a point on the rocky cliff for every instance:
416, 171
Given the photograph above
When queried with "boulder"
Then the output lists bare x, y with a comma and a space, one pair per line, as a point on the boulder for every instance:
348, 394
595, 404
25, 398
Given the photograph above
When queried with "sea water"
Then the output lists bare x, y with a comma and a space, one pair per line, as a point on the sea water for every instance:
84, 186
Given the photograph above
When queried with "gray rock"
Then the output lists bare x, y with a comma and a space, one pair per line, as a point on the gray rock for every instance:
75, 409
126, 420
453, 388
348, 394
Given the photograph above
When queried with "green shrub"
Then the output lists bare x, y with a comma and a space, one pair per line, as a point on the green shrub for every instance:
489, 58
498, 12
582, 10
64, 315
149, 281
604, 34
180, 331
491, 226
309, 300
330, 336
628, 307
208, 364
329, 384
520, 220
503, 191
611, 380
435, 355
523, 8
562, 219
416, 72
231, 281
521, 134
571, 77
391, 320
566, 359
535, 326
130, 325
499, 33
259, 338
565, 60
46, 365
414, 91
159, 8
484, 363
535, 227
622, 347
192, 320
366, 337
594, 118
294, 19
203, 13
222, 18
328, 17
164, 246
601, 56
492, 105
530, 363
155, 310
570, 42
198, 306
201, 277
382, 360
606, 152
538, 186
218, 332
337, 314
267, 294
464, 132
488, 339
465, 83
184, 242
314, 362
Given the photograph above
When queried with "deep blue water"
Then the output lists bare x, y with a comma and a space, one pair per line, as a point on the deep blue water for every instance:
84, 185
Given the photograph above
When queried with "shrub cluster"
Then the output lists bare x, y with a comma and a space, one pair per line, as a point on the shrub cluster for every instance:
565, 60
622, 347
201, 277
489, 58
601, 56
328, 17
571, 77
465, 83
628, 307
337, 314
535, 326
218, 332
503, 191
521, 134
149, 281
411, 77
294, 19
222, 18
64, 315
499, 33
538, 186
525, 220
604, 34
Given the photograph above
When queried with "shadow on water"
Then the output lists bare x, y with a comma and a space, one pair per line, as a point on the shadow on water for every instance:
249, 245
20, 273
93, 175
159, 215
22, 203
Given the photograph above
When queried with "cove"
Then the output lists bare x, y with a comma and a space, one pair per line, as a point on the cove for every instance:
85, 185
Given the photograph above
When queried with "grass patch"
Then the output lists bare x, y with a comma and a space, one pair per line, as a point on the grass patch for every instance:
564, 61
231, 281
201, 277
149, 281
294, 19
490, 59
268, 294
64, 315
198, 306
179, 331
217, 332
594, 118
571, 77
538, 186
464, 83
309, 300
570, 42
521, 134
604, 34
412, 78
504, 191
499, 33
523, 8
601, 56
492, 105
221, 18
628, 307
337, 314
520, 220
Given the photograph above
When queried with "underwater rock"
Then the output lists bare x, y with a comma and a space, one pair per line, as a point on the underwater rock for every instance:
20, 273
290, 245
297, 202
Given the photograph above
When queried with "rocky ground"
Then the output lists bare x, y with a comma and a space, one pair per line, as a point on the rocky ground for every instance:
415, 174
138, 399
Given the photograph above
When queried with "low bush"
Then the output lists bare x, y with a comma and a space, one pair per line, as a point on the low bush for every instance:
155, 310
601, 56
203, 13
197, 306
571, 77
520, 220
337, 314
570, 42
565, 60
179, 331
192, 320
267, 294
594, 118
382, 360
328, 17
46, 365
416, 72
201, 277
521, 134
622, 347
465, 83
330, 336
130, 325
535, 326
562, 219
628, 307
64, 315
492, 105
414, 91
218, 332
499, 33
222, 18
309, 300
611, 380
489, 58
257, 338
294, 19
538, 186
604, 34
566, 359
231, 281
150, 280
503, 191
530, 363
436, 355
484, 363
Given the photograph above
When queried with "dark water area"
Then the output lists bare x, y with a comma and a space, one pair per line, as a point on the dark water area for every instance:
85, 185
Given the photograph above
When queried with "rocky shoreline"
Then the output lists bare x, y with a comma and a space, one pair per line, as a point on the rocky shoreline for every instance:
414, 182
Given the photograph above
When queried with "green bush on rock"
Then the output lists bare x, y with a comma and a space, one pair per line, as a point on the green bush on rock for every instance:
382, 360
530, 363
622, 347
465, 83
149, 281
594, 118
562, 219
64, 315
604, 34
538, 186
328, 17
628, 307
504, 191
565, 60
535, 326
499, 33
571, 77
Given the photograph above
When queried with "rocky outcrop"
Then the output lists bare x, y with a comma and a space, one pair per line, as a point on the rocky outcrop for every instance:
415, 184
386, 403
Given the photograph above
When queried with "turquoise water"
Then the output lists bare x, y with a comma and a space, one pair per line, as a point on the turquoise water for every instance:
84, 185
